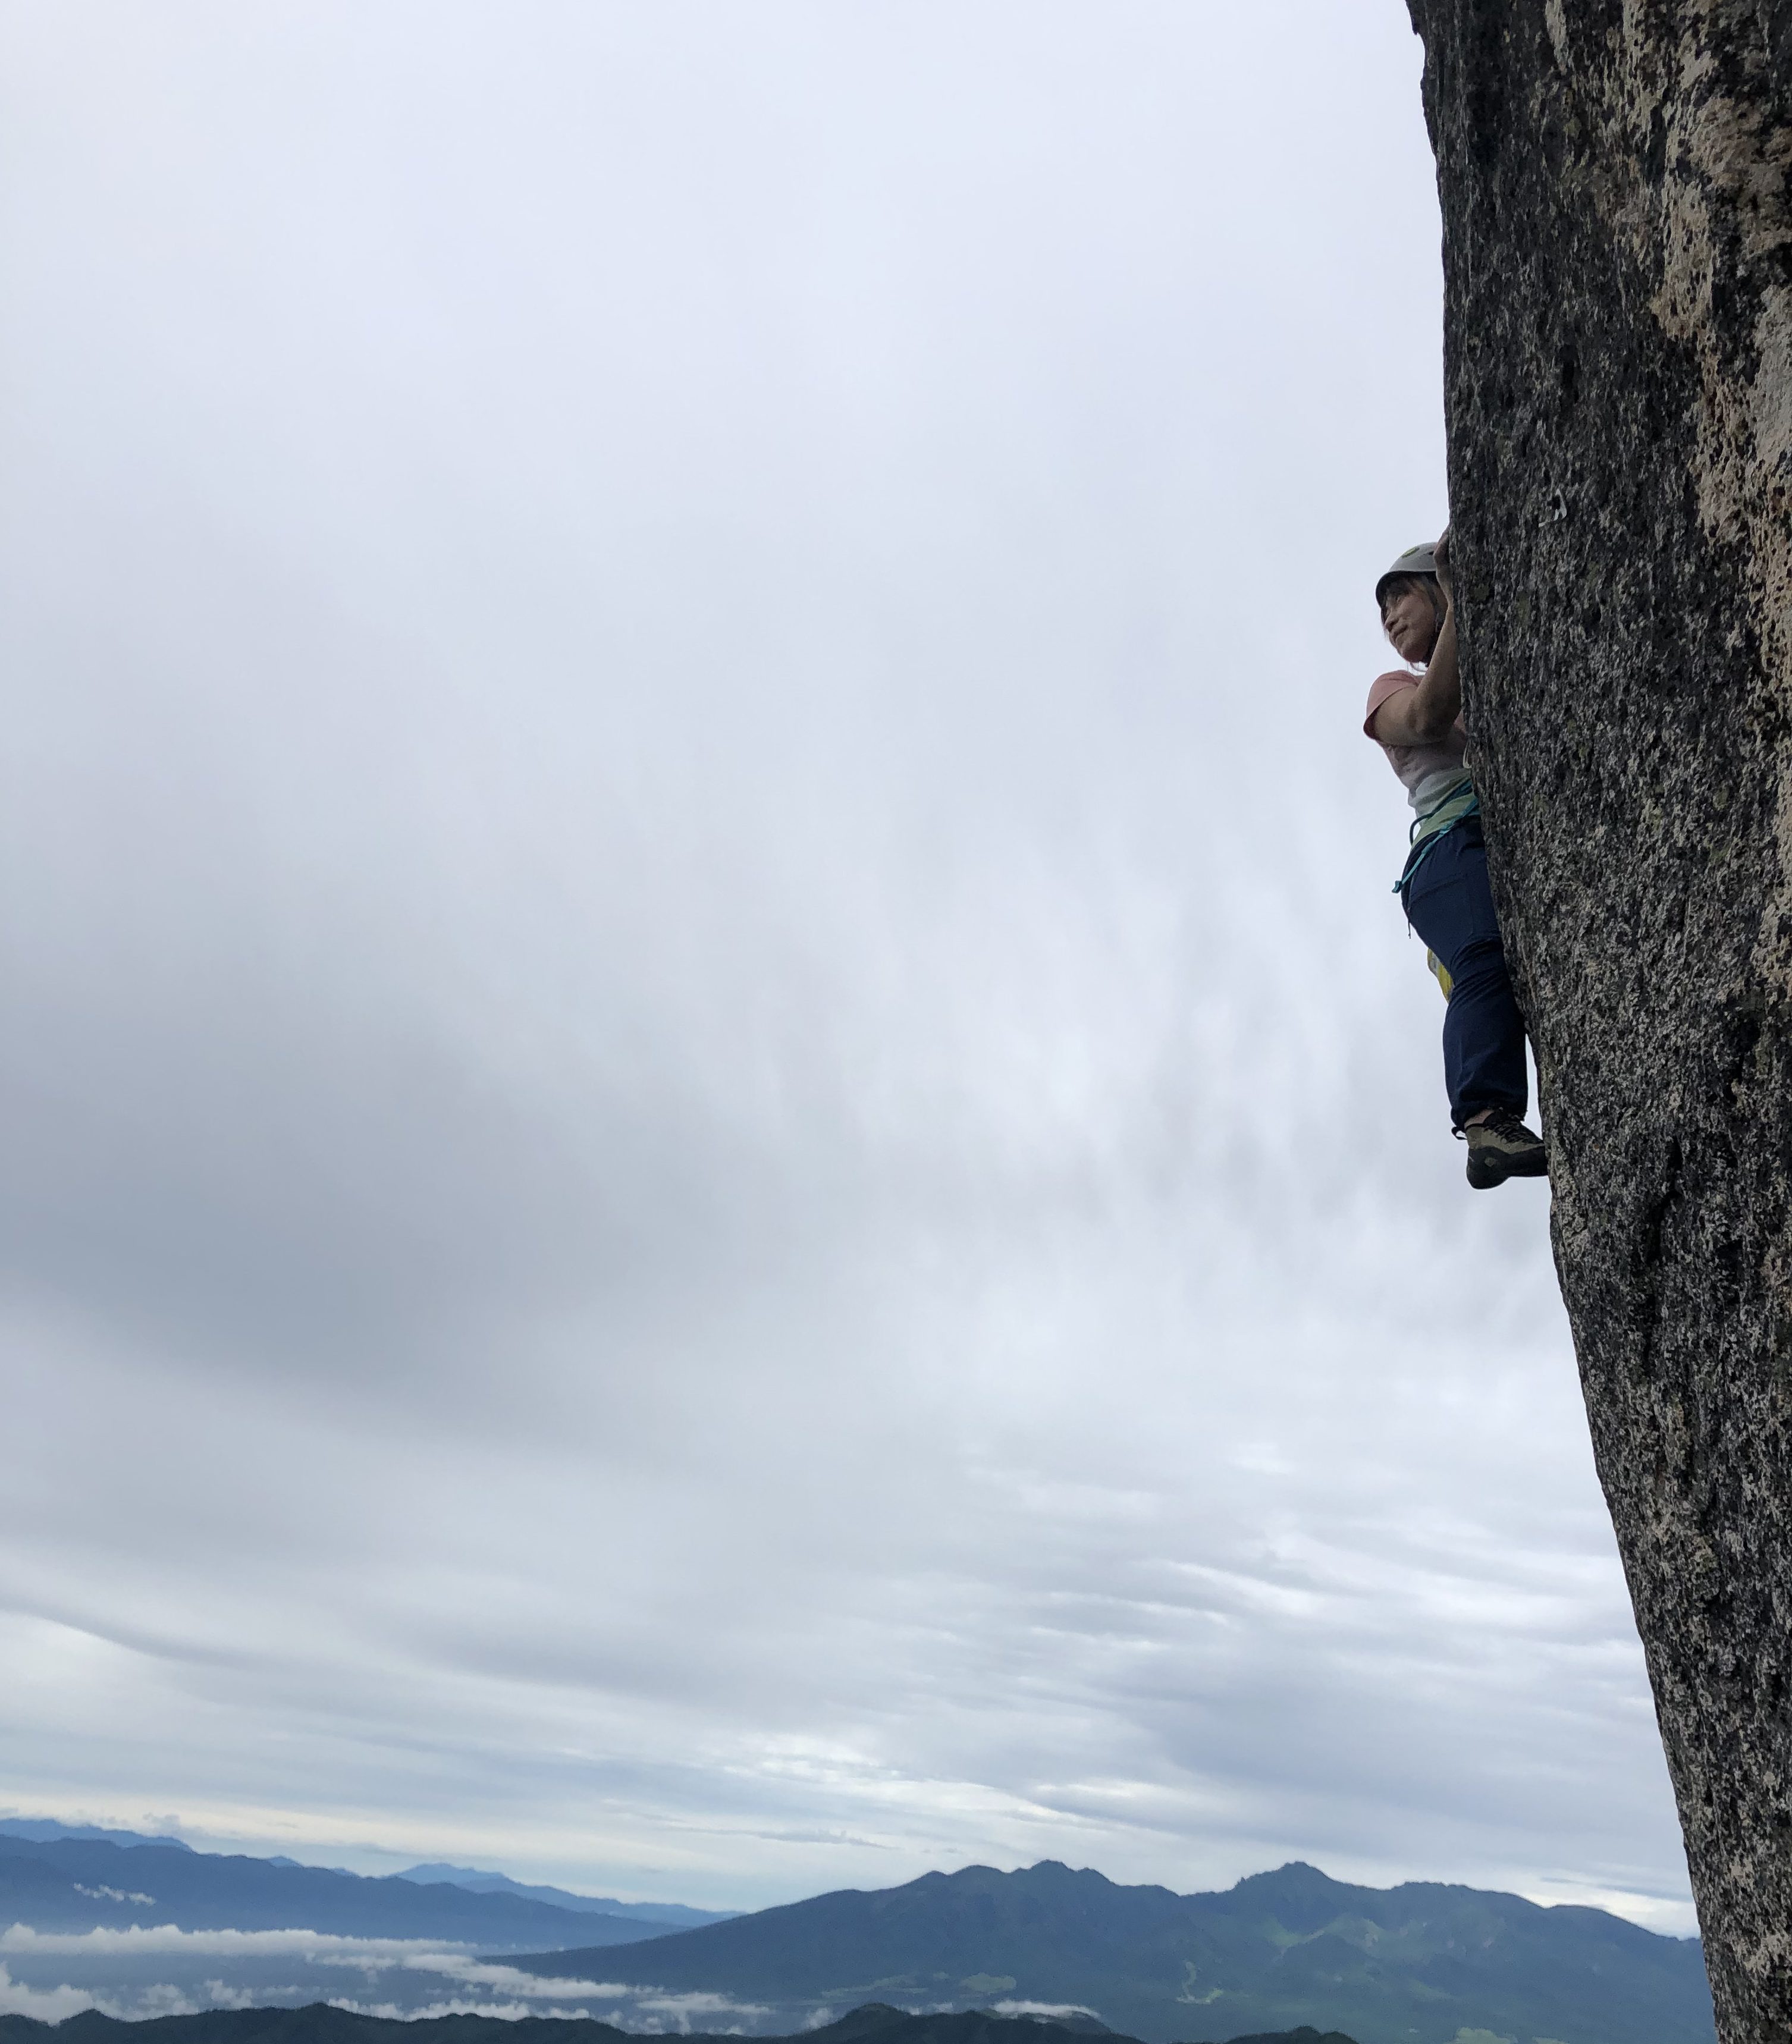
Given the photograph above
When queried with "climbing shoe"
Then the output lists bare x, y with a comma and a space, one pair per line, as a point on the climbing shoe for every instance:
1502, 1147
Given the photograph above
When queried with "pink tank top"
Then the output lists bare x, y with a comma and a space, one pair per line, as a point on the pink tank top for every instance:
1427, 772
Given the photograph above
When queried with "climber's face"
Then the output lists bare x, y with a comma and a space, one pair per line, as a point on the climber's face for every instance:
1410, 621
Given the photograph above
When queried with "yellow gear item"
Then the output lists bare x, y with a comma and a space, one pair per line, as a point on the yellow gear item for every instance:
1443, 979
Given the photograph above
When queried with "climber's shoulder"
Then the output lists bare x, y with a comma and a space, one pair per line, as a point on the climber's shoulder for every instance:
1383, 689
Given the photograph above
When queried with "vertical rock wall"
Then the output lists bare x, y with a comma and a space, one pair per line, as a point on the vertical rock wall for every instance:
1618, 261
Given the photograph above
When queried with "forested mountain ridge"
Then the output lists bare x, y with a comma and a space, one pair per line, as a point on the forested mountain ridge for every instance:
1412, 1964
322, 2023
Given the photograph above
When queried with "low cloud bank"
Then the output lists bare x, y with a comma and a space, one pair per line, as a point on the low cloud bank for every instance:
48, 2005
161, 1970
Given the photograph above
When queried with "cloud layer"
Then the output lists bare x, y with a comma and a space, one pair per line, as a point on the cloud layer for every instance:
726, 1172
137, 1973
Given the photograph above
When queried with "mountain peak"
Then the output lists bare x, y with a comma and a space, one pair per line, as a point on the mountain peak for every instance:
1296, 1876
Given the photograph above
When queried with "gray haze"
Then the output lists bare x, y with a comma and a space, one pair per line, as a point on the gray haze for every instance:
725, 1172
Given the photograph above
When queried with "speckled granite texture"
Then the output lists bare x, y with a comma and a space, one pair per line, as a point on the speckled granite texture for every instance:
1618, 375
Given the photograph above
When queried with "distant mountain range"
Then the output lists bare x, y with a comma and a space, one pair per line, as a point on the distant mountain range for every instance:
1420, 1963
74, 1885
47, 1830
481, 1883
321, 2024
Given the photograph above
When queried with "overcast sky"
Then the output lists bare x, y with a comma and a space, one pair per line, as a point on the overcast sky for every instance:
724, 1172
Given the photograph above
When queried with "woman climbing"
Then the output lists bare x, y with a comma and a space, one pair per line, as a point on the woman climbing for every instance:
1415, 718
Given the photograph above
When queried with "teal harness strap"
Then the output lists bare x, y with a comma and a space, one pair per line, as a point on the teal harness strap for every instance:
1460, 802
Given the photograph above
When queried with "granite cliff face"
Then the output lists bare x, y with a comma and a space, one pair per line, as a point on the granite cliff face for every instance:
1618, 262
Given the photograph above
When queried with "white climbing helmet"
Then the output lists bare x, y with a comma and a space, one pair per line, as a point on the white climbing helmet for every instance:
1415, 561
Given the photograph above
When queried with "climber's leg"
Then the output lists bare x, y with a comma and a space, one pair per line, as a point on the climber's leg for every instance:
1449, 904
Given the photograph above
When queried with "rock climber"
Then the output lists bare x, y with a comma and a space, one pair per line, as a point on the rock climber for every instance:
1415, 718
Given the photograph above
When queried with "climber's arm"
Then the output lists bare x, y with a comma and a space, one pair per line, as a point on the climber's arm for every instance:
1423, 714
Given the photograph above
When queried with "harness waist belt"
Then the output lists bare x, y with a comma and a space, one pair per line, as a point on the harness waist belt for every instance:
1457, 801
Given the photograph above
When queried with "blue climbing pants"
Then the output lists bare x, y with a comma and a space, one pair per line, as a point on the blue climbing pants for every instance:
1449, 903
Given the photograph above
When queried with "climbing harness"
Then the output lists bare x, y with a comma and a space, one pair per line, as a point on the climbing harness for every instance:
1457, 801
1457, 804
